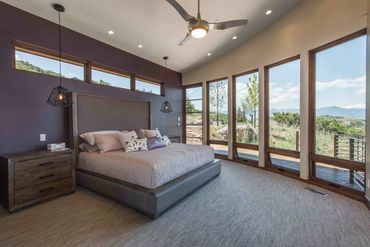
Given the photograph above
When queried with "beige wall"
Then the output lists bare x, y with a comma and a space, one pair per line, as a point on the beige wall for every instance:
311, 24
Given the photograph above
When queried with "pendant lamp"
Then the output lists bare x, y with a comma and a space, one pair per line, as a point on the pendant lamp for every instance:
166, 106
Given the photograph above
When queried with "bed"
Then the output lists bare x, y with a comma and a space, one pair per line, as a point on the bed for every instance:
148, 181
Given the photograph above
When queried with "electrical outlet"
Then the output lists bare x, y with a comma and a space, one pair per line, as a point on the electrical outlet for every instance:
368, 183
42, 137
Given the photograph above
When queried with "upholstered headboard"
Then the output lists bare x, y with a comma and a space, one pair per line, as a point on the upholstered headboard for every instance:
95, 113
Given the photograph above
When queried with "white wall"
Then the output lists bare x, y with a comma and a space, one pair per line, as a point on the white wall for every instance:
311, 24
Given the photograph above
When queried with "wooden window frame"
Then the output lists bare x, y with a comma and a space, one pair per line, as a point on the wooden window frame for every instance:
109, 70
184, 108
313, 157
209, 141
50, 54
148, 80
235, 144
272, 150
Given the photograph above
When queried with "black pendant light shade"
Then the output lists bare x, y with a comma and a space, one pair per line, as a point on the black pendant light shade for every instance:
59, 95
166, 106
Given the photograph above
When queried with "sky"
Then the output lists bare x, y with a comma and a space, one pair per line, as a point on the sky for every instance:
113, 80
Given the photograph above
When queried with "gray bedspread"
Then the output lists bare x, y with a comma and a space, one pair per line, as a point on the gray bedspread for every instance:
149, 169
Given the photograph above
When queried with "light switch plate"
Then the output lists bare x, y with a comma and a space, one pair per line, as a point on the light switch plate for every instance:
368, 183
42, 137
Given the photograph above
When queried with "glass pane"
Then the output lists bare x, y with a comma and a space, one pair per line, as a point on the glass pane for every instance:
109, 79
146, 87
194, 93
285, 162
341, 176
218, 106
39, 64
284, 104
247, 154
220, 149
340, 100
247, 100
194, 106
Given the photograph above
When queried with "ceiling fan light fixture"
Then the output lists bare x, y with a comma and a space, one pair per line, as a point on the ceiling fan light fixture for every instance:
198, 32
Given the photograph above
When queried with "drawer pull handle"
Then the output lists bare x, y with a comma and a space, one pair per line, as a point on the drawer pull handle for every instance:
46, 163
47, 176
48, 189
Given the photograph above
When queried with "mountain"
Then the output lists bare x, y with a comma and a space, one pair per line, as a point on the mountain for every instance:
334, 111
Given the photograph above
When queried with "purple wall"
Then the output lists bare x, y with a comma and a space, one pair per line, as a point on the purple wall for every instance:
24, 114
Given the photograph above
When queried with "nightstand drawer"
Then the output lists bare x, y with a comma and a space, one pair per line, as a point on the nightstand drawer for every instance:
42, 191
37, 165
23, 179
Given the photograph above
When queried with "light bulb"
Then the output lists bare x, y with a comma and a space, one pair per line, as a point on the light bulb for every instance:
198, 32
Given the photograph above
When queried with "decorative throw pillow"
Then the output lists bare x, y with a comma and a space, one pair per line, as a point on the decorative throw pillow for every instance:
151, 133
107, 142
155, 142
89, 136
127, 135
88, 148
135, 145
166, 141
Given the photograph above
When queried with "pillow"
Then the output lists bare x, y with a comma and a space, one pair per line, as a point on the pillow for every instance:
151, 133
135, 145
166, 141
126, 135
89, 136
107, 142
155, 142
88, 148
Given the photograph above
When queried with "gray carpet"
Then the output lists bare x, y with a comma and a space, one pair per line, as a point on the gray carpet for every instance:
245, 206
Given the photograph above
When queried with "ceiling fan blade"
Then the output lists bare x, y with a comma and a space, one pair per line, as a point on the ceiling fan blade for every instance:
187, 37
228, 24
180, 10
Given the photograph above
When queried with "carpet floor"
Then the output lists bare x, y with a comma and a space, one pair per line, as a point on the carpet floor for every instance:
244, 206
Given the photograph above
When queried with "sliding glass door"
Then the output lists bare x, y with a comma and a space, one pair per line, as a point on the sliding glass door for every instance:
218, 115
245, 115
193, 114
283, 114
338, 85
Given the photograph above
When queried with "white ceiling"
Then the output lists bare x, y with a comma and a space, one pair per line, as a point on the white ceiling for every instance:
158, 27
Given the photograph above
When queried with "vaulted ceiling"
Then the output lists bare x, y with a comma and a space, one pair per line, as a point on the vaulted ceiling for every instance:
157, 26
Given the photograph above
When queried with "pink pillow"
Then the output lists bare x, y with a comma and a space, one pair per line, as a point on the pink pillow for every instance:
107, 142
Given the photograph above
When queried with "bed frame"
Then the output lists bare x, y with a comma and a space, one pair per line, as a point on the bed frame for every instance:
94, 113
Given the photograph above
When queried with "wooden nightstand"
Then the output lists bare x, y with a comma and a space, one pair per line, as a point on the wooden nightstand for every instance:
29, 178
175, 139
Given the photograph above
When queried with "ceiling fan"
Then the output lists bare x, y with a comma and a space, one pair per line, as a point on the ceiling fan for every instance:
198, 28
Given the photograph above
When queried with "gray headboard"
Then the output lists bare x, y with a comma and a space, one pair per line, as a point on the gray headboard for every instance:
95, 113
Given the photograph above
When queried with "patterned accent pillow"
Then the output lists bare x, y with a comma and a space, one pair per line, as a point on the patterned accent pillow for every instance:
84, 147
155, 142
135, 145
166, 141
151, 133
125, 136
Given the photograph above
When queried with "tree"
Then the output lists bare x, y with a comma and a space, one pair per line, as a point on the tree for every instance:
190, 107
217, 96
251, 101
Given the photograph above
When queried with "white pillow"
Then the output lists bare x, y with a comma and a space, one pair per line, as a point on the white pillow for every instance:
151, 133
135, 145
126, 136
89, 136
107, 142
166, 140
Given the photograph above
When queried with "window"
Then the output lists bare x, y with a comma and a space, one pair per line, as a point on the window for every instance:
338, 111
218, 115
283, 114
246, 102
194, 114
108, 78
147, 86
32, 61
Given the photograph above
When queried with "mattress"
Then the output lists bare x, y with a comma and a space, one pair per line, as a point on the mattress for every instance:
149, 169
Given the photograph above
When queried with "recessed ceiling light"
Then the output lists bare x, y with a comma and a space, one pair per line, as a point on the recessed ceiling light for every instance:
235, 37
110, 32
268, 12
140, 46
209, 54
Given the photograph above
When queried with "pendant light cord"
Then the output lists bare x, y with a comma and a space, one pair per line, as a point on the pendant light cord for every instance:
165, 85
60, 51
